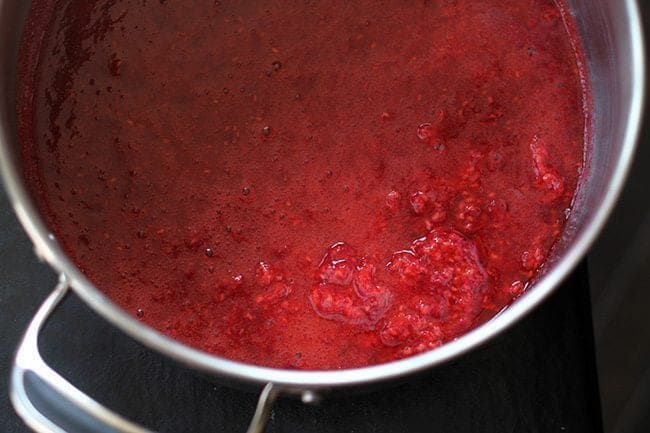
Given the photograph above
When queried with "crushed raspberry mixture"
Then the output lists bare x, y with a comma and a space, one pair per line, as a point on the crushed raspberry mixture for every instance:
309, 185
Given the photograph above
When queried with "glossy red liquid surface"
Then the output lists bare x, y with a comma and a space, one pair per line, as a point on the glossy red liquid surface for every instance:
313, 185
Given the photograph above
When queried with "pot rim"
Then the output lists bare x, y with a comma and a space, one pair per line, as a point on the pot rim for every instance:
47, 248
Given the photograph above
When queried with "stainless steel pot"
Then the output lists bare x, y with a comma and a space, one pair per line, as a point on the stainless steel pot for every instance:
612, 38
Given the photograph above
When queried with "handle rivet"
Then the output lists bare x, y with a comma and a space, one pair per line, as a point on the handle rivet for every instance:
310, 397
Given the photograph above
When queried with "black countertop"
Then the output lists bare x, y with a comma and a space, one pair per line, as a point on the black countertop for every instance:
539, 376
619, 272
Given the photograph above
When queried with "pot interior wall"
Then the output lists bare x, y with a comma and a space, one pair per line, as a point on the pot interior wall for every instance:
12, 16
605, 32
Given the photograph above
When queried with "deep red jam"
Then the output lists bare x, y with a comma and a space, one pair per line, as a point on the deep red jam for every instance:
312, 185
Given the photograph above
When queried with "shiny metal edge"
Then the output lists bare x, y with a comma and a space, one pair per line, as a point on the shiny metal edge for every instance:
293, 380
28, 359
29, 354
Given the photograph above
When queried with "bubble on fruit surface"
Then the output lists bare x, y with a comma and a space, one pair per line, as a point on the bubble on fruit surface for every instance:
426, 132
392, 200
347, 290
419, 201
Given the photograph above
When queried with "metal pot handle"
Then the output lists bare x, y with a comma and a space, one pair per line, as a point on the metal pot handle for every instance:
50, 404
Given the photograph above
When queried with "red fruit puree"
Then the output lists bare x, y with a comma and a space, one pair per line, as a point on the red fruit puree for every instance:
310, 185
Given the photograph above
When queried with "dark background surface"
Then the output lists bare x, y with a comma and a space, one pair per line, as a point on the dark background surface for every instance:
538, 377
619, 268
